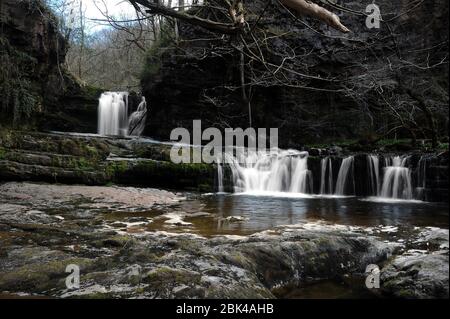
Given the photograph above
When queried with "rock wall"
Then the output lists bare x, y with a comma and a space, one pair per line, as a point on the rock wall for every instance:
200, 79
37, 91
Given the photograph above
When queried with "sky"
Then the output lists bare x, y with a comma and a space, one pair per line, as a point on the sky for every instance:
93, 10
115, 8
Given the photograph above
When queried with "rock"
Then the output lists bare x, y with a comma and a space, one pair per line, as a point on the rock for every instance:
417, 276
188, 86
34, 57
75, 159
36, 246
335, 150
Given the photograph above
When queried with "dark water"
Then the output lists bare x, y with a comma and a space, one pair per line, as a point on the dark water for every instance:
350, 288
264, 212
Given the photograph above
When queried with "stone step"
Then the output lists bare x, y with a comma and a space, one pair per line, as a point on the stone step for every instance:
48, 159
145, 173
56, 144
14, 171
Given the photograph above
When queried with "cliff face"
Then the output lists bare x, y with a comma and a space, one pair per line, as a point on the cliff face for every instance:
36, 89
371, 69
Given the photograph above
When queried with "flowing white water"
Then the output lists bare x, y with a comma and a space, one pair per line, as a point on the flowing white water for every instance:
397, 179
345, 177
421, 177
220, 187
373, 164
272, 172
285, 174
326, 185
113, 115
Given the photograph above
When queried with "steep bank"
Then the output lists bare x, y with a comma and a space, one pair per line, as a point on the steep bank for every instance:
201, 79
37, 91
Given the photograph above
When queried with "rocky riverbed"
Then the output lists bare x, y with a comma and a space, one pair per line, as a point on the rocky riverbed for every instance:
141, 243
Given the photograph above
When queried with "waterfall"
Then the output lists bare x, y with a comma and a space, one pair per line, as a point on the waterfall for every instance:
136, 123
373, 163
397, 179
421, 177
220, 187
113, 115
281, 171
345, 173
326, 185
219, 178
273, 171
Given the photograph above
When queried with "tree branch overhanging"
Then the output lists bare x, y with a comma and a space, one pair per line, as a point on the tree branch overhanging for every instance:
236, 10
156, 8
306, 7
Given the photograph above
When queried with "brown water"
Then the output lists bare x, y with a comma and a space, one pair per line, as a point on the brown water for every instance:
260, 213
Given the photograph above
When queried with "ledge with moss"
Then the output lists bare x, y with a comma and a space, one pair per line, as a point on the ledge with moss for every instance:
54, 158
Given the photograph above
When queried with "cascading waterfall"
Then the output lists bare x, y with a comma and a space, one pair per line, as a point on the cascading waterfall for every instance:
274, 171
397, 179
421, 177
113, 115
345, 176
373, 163
220, 187
326, 185
279, 171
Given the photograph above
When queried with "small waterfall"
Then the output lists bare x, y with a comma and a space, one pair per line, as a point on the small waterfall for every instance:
113, 115
326, 185
373, 163
421, 177
220, 187
345, 176
136, 123
274, 171
397, 179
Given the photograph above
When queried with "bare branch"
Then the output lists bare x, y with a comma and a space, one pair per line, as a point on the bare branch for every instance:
155, 8
306, 7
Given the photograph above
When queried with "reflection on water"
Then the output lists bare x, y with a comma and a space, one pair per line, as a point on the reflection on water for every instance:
264, 212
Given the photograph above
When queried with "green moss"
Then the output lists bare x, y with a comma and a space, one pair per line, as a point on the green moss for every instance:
19, 97
84, 164
115, 168
40, 276
2, 153
165, 277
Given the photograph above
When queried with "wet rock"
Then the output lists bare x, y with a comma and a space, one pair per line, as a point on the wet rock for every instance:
417, 275
156, 263
336, 150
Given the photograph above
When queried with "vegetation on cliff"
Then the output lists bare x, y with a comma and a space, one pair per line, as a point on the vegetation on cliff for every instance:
310, 81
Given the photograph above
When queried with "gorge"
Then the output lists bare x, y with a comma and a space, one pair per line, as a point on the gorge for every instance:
360, 177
